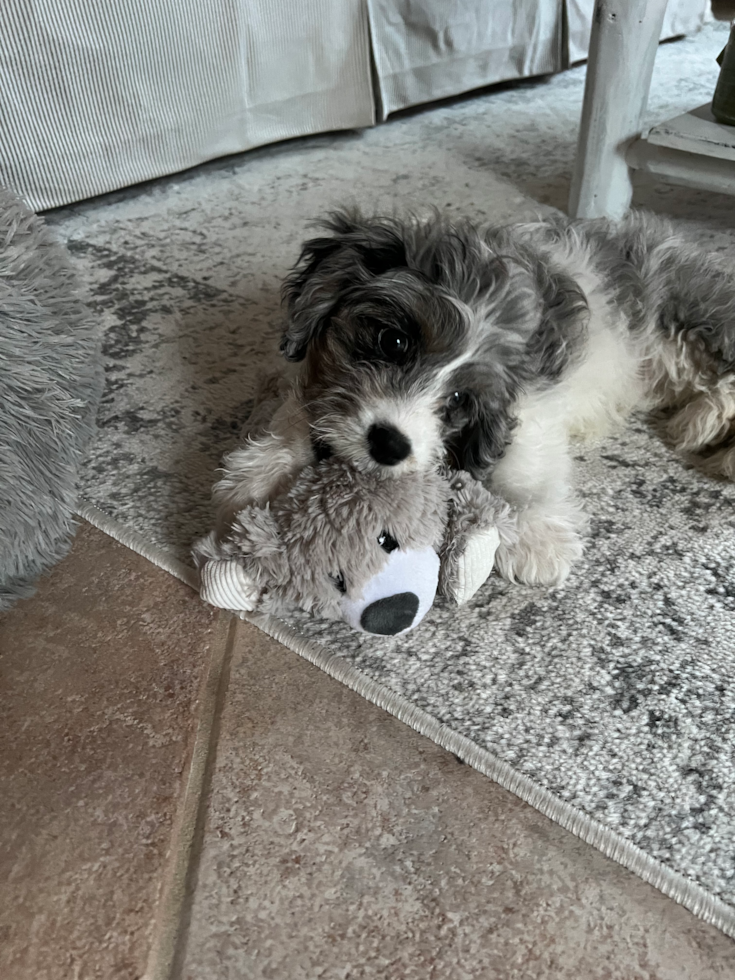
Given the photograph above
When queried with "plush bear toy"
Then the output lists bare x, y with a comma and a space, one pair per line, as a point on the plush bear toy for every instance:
366, 549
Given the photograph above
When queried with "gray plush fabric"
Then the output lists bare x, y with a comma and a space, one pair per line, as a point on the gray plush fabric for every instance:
50, 384
326, 528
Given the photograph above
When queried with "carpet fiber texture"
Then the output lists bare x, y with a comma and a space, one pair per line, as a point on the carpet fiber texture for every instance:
50, 384
609, 704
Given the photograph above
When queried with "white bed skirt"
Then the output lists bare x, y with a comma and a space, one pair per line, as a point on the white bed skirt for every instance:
95, 96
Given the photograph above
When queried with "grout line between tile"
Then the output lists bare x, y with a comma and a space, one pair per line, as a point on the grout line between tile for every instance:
179, 880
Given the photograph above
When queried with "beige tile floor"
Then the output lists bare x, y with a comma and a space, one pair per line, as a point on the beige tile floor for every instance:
333, 842
100, 677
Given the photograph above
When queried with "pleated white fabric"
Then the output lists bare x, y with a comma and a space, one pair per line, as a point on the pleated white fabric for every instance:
437, 48
95, 96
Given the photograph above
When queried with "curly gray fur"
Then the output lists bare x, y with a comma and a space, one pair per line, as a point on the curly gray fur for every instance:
431, 339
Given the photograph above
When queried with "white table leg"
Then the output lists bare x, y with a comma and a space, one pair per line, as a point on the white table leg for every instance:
625, 35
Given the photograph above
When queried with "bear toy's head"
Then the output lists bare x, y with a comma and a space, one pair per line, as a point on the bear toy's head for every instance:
340, 544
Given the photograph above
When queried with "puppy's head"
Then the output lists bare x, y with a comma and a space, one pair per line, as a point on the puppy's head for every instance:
414, 338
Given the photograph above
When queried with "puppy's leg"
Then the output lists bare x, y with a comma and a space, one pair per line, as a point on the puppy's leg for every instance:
692, 350
721, 462
706, 426
263, 468
535, 477
705, 420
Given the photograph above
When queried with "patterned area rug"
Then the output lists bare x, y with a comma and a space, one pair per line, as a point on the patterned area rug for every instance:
609, 704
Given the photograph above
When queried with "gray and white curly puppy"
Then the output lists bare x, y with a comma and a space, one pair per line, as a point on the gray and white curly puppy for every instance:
422, 338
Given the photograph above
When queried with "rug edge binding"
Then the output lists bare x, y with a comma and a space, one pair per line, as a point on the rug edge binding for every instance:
674, 885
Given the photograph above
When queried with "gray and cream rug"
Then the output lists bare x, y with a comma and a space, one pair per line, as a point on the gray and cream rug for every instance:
609, 705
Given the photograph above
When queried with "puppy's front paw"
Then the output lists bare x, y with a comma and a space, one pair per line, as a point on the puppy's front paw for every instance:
544, 553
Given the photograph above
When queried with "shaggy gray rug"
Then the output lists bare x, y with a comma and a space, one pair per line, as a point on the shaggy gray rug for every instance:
50, 384
610, 704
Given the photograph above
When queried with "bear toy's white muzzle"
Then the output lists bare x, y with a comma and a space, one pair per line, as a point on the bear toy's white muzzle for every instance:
398, 597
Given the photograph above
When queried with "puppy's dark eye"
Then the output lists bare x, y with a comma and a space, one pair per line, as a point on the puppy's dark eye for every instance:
387, 542
394, 344
339, 583
457, 406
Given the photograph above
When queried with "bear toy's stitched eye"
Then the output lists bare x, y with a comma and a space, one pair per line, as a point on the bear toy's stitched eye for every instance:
387, 542
339, 583
394, 344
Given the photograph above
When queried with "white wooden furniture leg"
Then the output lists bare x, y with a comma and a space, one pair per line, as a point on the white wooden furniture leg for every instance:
625, 35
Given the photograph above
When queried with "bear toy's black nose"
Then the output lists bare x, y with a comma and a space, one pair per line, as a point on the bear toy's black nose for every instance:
390, 615
387, 445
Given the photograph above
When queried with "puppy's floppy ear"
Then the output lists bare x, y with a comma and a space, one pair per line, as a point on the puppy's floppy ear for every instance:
483, 440
305, 319
563, 324
358, 249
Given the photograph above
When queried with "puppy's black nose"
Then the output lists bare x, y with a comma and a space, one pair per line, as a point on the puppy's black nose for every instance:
387, 445
390, 615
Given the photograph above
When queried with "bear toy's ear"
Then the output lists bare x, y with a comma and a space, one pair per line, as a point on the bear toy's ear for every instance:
238, 570
226, 585
478, 523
